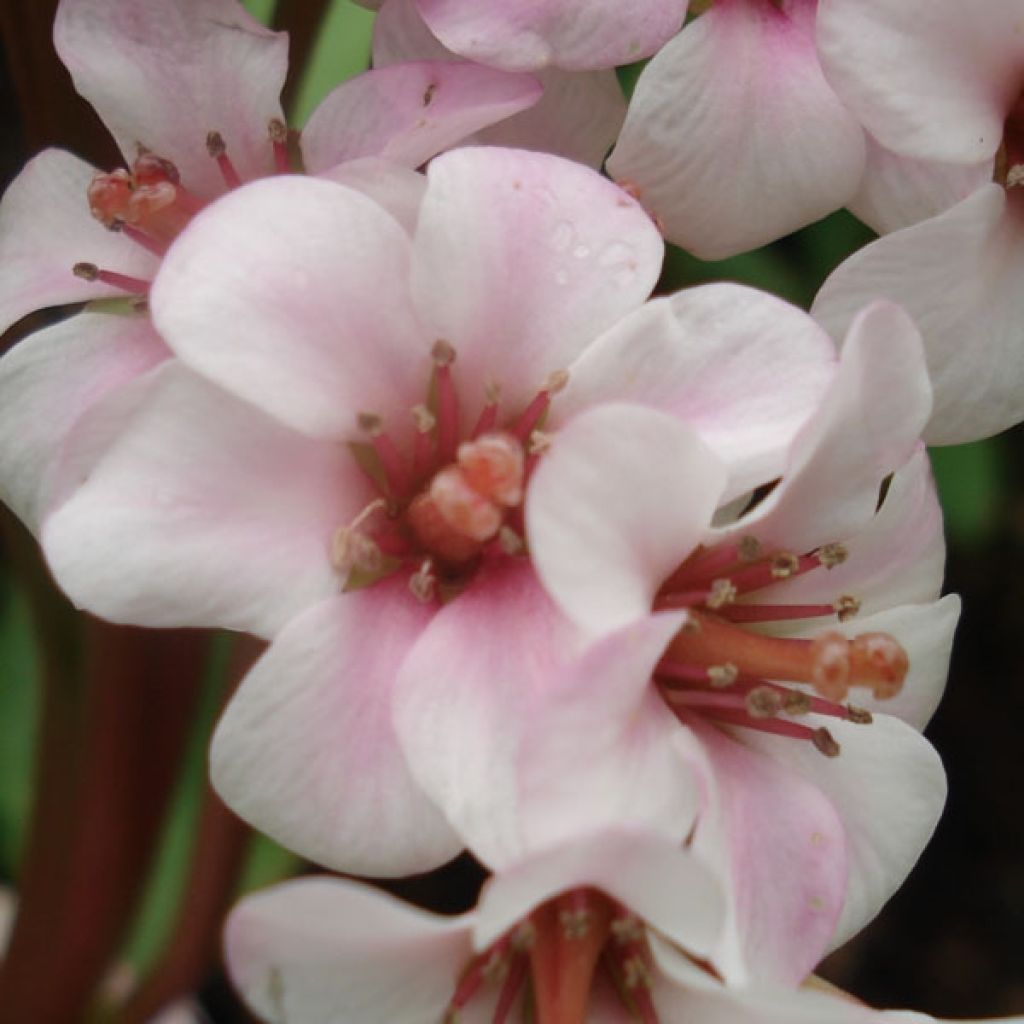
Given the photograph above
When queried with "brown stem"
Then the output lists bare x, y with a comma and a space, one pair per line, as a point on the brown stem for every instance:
300, 19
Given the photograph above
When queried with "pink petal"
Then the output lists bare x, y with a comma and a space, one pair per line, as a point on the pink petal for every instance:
867, 426
730, 161
465, 702
958, 275
665, 886
897, 191
310, 340
307, 752
928, 78
319, 949
410, 112
888, 787
778, 845
48, 381
46, 228
526, 36
202, 512
397, 189
521, 259
742, 367
621, 498
164, 75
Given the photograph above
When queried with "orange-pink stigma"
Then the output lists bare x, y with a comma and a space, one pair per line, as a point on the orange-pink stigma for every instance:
150, 205
719, 668
558, 952
451, 499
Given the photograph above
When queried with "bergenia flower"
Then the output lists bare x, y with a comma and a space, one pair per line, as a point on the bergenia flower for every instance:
190, 93
617, 931
734, 137
348, 474
578, 117
939, 85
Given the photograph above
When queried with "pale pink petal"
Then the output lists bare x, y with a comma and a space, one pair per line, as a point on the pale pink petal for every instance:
308, 339
46, 228
888, 786
728, 160
202, 512
578, 117
306, 750
898, 558
928, 78
866, 427
621, 498
665, 886
326, 949
536, 33
466, 699
48, 381
522, 259
163, 75
604, 749
410, 112
742, 367
397, 189
897, 191
958, 275
777, 843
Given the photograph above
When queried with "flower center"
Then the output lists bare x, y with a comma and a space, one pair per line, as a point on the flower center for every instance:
558, 952
452, 499
150, 205
720, 667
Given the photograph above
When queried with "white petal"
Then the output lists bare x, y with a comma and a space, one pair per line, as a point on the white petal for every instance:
397, 189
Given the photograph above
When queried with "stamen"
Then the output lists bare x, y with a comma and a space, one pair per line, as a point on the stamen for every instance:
423, 582
539, 442
821, 739
846, 607
510, 541
763, 702
447, 401
831, 555
353, 549
777, 612
278, 132
489, 413
859, 716
390, 459
423, 446
722, 592
217, 148
141, 238
535, 411
90, 272
510, 990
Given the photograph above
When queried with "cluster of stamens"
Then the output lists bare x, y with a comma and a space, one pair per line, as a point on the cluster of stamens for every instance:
720, 668
557, 953
150, 205
451, 500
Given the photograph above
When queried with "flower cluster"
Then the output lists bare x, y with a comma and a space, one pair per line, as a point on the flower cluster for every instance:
635, 596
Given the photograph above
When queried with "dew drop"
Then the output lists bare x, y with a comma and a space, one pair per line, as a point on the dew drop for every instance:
581, 252
562, 236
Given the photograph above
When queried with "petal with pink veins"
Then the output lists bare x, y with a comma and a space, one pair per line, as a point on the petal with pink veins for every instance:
306, 750
227, 516
928, 78
866, 427
308, 339
777, 843
665, 886
49, 380
46, 228
728, 162
534, 34
897, 191
888, 787
958, 275
622, 497
163, 76
319, 949
409, 112
744, 368
584, 254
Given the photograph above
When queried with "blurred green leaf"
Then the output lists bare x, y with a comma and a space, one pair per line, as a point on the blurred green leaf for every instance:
342, 50
262, 10
970, 478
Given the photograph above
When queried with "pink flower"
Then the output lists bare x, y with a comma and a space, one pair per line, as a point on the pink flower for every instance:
250, 507
733, 136
939, 86
190, 93
579, 115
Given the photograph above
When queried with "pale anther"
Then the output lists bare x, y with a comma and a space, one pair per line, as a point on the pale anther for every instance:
825, 743
750, 549
496, 967
277, 130
859, 716
831, 555
556, 381
510, 541
784, 565
442, 353
796, 703
721, 676
723, 592
846, 607
575, 923
523, 937
636, 973
1015, 176
370, 423
539, 442
423, 582
763, 702
492, 391
215, 144
423, 418
627, 930
86, 271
